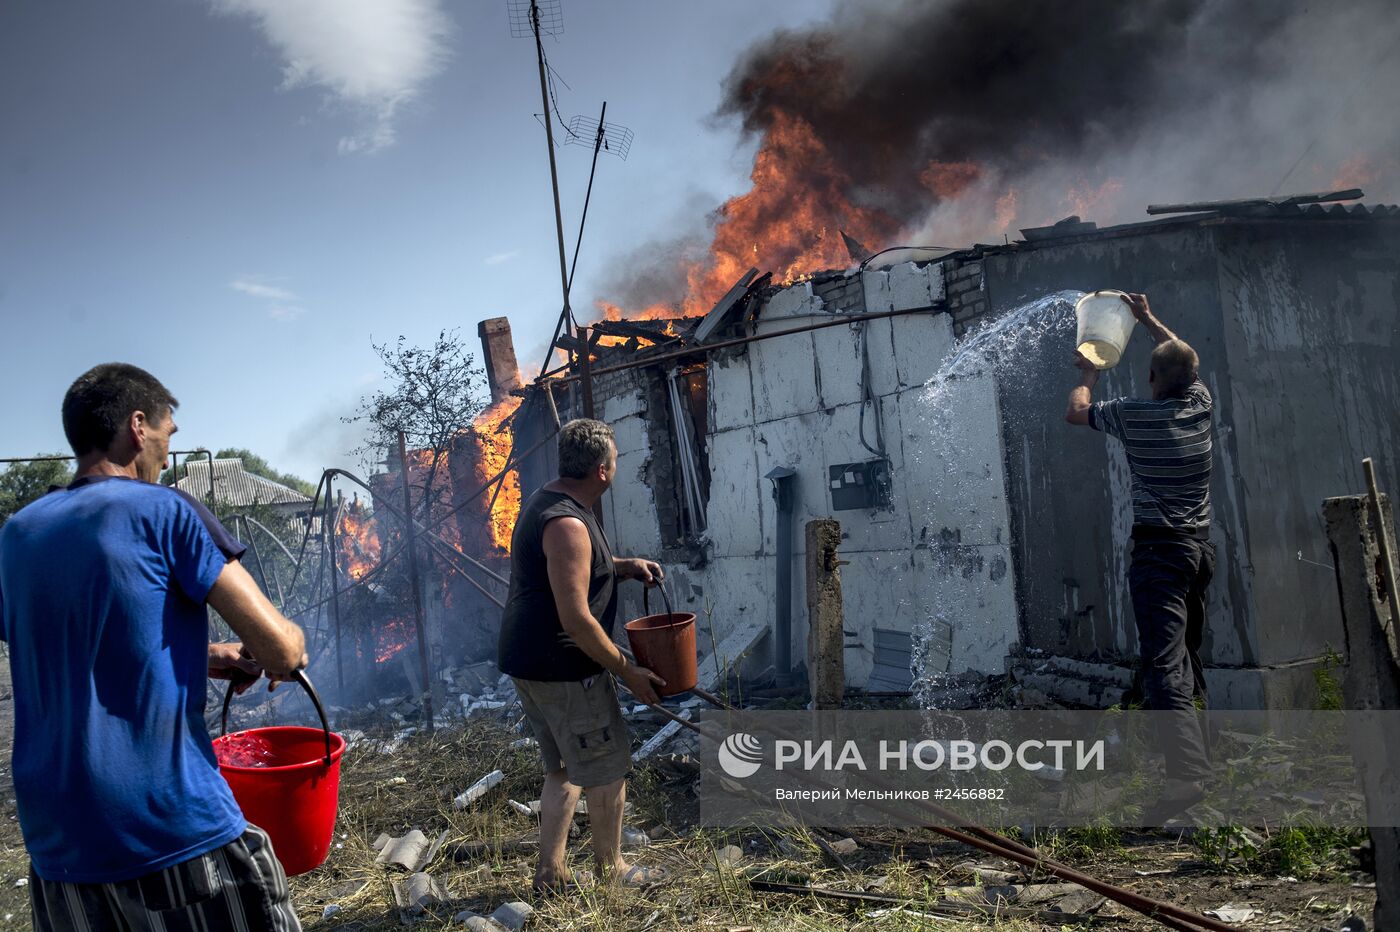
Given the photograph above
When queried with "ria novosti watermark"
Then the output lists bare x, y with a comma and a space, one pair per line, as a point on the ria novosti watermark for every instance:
1046, 768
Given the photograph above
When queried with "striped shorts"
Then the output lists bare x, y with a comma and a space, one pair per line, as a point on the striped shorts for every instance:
239, 888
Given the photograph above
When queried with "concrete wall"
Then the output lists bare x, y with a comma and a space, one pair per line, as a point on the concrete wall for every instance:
1296, 326
934, 564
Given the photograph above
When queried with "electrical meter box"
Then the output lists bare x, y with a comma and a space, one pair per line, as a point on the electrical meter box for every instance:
860, 486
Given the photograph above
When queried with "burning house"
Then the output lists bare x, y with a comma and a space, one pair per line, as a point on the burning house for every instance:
917, 397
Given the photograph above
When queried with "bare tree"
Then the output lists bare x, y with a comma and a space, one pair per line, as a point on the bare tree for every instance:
433, 395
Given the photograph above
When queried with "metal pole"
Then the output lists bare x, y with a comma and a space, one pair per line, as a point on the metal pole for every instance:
566, 314
587, 382
328, 524
597, 147
257, 556
586, 372
413, 581
782, 479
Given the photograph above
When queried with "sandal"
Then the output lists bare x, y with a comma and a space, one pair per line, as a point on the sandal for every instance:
577, 881
639, 877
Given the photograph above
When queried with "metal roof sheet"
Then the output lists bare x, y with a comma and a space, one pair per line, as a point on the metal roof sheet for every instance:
234, 487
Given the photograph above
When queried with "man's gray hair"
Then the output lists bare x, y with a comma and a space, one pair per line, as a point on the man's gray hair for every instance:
583, 447
1176, 367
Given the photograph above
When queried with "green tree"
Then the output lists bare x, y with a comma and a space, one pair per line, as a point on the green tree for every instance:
22, 483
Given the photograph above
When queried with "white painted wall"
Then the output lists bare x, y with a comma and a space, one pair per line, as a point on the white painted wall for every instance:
938, 560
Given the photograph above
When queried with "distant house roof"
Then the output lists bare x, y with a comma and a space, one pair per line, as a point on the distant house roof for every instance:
234, 487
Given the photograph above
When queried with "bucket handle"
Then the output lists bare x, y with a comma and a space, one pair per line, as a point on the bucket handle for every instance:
646, 602
305, 681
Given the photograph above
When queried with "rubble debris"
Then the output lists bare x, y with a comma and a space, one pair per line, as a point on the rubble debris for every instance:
513, 916
412, 852
634, 837
1232, 914
330, 910
845, 846
731, 855
987, 874
521, 743
667, 732
475, 850
478, 789
419, 892
521, 807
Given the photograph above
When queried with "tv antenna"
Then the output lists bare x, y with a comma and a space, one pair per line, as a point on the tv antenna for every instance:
536, 19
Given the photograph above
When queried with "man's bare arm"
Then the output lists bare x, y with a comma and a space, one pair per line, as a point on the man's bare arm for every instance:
1081, 396
568, 556
276, 642
1137, 303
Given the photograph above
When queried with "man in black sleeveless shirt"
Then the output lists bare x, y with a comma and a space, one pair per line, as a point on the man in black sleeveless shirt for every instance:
556, 643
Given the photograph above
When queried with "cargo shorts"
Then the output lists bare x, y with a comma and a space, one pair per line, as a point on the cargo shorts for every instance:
579, 726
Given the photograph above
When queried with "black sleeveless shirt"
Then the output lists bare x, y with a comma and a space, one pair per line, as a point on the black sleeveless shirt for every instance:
533, 645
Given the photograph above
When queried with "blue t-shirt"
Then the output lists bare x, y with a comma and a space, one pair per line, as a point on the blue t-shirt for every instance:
102, 589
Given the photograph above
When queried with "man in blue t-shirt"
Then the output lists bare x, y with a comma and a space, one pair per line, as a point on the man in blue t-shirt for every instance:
103, 587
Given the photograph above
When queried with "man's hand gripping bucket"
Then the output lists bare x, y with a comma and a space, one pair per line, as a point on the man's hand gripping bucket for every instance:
286, 779
665, 645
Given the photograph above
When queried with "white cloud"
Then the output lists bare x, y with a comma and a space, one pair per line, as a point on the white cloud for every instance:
499, 257
373, 56
282, 304
257, 289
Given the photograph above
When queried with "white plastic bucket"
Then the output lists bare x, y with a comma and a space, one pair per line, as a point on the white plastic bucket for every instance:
1105, 324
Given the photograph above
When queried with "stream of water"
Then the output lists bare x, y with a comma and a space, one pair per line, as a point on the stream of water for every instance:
1007, 351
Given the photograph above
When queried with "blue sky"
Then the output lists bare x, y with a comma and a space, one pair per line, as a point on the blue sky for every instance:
238, 197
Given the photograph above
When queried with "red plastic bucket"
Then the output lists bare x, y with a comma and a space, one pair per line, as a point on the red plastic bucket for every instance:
665, 645
286, 779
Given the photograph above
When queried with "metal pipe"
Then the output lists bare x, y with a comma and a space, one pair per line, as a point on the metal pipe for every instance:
740, 341
328, 524
782, 478
413, 580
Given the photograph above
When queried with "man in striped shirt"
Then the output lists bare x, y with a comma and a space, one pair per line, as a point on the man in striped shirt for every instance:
1167, 441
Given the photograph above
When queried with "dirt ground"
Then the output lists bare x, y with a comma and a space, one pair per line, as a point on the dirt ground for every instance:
925, 876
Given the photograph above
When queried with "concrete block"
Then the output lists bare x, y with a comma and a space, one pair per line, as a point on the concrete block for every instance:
797, 443
739, 593
739, 505
784, 377
884, 364
921, 342
839, 364
968, 595
878, 297
937, 282
629, 402
513, 916
731, 392
635, 530
909, 287
954, 464
795, 300
630, 435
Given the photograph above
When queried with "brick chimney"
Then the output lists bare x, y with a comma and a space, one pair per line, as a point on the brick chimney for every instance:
498, 349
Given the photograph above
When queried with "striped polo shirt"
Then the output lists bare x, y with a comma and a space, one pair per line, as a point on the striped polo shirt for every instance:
1168, 446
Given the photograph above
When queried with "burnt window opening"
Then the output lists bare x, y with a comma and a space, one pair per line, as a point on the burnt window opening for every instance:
686, 425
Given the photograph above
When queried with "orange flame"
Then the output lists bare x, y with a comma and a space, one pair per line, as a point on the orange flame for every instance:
789, 223
358, 539
392, 637
495, 441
